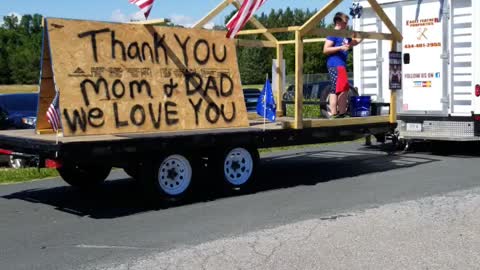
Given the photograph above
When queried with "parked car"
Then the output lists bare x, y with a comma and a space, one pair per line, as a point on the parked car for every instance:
251, 98
18, 111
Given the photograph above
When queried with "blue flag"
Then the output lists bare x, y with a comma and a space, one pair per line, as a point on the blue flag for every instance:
266, 106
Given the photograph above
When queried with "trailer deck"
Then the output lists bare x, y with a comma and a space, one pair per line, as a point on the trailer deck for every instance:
262, 135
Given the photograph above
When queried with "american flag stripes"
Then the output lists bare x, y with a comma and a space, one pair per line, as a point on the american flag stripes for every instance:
144, 5
246, 11
53, 114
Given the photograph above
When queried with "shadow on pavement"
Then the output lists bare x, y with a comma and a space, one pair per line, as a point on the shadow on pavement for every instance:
124, 197
451, 149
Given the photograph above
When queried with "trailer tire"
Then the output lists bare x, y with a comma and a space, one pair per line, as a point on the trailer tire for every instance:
169, 178
84, 176
235, 167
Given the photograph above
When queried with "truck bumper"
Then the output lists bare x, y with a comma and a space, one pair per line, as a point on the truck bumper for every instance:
439, 128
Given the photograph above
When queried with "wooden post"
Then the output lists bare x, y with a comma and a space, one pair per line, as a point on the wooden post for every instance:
393, 93
298, 80
280, 79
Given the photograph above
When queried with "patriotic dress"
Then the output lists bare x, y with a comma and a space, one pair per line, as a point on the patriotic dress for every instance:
337, 66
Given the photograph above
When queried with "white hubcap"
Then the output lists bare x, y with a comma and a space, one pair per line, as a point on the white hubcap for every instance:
175, 174
16, 163
238, 166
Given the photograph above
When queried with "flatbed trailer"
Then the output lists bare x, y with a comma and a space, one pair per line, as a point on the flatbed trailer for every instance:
85, 162
110, 122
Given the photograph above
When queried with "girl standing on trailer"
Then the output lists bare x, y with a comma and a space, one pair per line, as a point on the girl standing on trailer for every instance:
336, 48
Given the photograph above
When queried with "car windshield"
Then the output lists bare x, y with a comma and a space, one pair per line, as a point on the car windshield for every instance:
19, 102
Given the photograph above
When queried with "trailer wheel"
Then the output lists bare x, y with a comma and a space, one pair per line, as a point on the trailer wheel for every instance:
84, 175
168, 179
236, 167
399, 144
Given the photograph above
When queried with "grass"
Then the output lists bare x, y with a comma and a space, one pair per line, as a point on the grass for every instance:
12, 89
309, 111
9, 176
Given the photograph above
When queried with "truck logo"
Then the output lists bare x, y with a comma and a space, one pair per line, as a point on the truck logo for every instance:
421, 33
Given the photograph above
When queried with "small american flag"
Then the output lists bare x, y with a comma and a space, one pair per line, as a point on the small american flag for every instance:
53, 114
246, 11
144, 5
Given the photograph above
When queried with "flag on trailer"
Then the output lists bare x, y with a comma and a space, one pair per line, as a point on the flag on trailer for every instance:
246, 11
144, 5
53, 115
266, 106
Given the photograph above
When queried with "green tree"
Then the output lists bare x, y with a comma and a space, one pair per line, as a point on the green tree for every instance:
26, 24
10, 22
20, 46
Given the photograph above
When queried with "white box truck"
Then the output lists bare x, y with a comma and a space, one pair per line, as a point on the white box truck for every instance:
440, 95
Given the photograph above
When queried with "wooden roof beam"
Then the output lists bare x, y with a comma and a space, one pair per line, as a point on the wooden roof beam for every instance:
269, 30
315, 19
212, 14
378, 9
221, 7
307, 40
323, 32
256, 23
255, 43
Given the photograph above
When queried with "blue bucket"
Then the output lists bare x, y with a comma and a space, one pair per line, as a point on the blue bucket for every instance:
360, 106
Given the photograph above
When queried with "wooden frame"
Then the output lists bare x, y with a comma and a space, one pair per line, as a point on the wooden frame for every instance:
308, 28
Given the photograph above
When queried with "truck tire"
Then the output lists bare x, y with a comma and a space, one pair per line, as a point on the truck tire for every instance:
235, 167
169, 178
84, 176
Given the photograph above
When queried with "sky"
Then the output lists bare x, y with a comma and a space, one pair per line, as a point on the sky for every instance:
184, 12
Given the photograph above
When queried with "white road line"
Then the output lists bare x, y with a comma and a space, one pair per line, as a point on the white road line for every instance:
112, 247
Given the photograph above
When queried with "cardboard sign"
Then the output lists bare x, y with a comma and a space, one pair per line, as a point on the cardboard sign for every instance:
122, 78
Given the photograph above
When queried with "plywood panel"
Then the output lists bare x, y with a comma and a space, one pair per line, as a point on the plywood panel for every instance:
121, 78
47, 88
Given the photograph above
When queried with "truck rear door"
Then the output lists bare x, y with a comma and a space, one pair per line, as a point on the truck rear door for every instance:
425, 58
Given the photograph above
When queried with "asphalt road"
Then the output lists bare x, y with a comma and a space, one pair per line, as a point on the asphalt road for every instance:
345, 190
